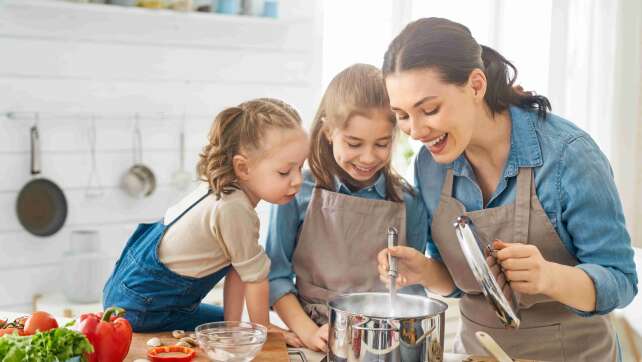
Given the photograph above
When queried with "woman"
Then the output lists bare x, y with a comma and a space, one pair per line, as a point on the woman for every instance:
531, 181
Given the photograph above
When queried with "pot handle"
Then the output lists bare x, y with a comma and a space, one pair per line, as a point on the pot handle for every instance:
35, 151
426, 334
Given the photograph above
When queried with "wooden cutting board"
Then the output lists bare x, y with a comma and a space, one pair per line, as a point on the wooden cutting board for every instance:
273, 350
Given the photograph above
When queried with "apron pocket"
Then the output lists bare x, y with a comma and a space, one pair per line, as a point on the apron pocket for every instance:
539, 343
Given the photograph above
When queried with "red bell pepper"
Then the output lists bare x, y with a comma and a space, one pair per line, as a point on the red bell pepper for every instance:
108, 332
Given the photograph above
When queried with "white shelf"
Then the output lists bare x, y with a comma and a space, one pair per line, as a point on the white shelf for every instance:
70, 23
139, 11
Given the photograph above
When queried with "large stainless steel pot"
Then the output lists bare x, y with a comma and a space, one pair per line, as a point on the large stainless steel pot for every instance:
363, 327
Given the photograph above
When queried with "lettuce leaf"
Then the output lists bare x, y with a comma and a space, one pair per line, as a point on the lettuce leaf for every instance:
56, 345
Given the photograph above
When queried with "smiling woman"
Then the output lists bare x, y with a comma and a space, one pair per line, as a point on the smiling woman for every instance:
534, 183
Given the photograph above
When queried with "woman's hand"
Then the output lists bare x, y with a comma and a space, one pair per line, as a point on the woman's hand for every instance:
411, 266
318, 339
524, 267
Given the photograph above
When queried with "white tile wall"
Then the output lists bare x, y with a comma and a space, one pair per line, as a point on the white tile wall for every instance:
69, 60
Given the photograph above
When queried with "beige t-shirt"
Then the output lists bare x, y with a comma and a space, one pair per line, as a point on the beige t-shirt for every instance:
213, 235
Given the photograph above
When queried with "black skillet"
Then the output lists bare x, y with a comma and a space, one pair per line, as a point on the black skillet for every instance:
41, 204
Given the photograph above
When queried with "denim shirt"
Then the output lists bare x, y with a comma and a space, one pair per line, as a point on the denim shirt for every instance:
574, 183
286, 221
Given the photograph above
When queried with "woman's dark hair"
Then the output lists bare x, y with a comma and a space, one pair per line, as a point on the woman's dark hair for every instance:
450, 48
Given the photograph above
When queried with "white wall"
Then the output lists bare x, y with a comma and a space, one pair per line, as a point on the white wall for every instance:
68, 61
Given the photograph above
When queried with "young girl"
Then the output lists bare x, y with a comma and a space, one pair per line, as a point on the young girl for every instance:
255, 152
329, 235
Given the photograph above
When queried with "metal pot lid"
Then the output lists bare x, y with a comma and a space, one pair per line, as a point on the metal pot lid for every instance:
472, 244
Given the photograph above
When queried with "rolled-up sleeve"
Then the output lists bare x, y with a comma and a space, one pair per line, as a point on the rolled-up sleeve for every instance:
281, 241
592, 216
238, 227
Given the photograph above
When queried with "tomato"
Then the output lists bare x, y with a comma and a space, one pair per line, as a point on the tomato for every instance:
40, 321
10, 331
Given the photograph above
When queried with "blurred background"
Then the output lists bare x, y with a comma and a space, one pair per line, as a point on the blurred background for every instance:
112, 84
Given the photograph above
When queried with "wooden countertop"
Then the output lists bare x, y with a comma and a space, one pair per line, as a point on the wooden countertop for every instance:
273, 350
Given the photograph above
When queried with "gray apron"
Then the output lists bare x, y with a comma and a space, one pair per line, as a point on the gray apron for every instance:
548, 331
337, 247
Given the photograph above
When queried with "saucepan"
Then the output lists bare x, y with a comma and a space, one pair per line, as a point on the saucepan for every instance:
139, 180
364, 327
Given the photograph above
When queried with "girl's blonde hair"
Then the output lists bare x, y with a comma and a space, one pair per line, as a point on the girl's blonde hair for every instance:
357, 90
237, 129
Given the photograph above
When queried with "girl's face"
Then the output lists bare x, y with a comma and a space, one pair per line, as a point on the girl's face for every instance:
273, 173
363, 147
440, 115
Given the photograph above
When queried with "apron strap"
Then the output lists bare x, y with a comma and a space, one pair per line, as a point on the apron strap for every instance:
209, 191
447, 189
523, 204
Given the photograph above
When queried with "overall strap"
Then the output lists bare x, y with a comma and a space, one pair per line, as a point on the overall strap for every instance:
209, 191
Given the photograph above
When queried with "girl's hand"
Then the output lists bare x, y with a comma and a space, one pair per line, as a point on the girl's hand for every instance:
291, 339
524, 267
411, 265
318, 340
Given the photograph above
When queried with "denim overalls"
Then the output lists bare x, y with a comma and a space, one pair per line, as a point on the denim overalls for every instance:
154, 297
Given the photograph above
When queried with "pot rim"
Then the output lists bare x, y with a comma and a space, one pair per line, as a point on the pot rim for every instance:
344, 295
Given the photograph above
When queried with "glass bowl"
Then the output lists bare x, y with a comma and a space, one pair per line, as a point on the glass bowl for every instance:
231, 341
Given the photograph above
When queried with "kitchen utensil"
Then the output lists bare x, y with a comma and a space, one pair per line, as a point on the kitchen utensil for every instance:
492, 347
41, 205
139, 180
231, 341
362, 328
393, 236
94, 186
472, 244
181, 179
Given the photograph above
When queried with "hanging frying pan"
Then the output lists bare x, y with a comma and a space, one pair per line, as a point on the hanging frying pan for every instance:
41, 204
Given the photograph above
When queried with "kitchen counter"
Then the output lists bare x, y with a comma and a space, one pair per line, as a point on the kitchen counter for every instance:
137, 347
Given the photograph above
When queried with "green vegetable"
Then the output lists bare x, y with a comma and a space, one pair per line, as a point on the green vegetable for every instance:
56, 345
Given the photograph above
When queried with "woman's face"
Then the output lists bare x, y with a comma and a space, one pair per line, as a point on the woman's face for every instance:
363, 147
440, 115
